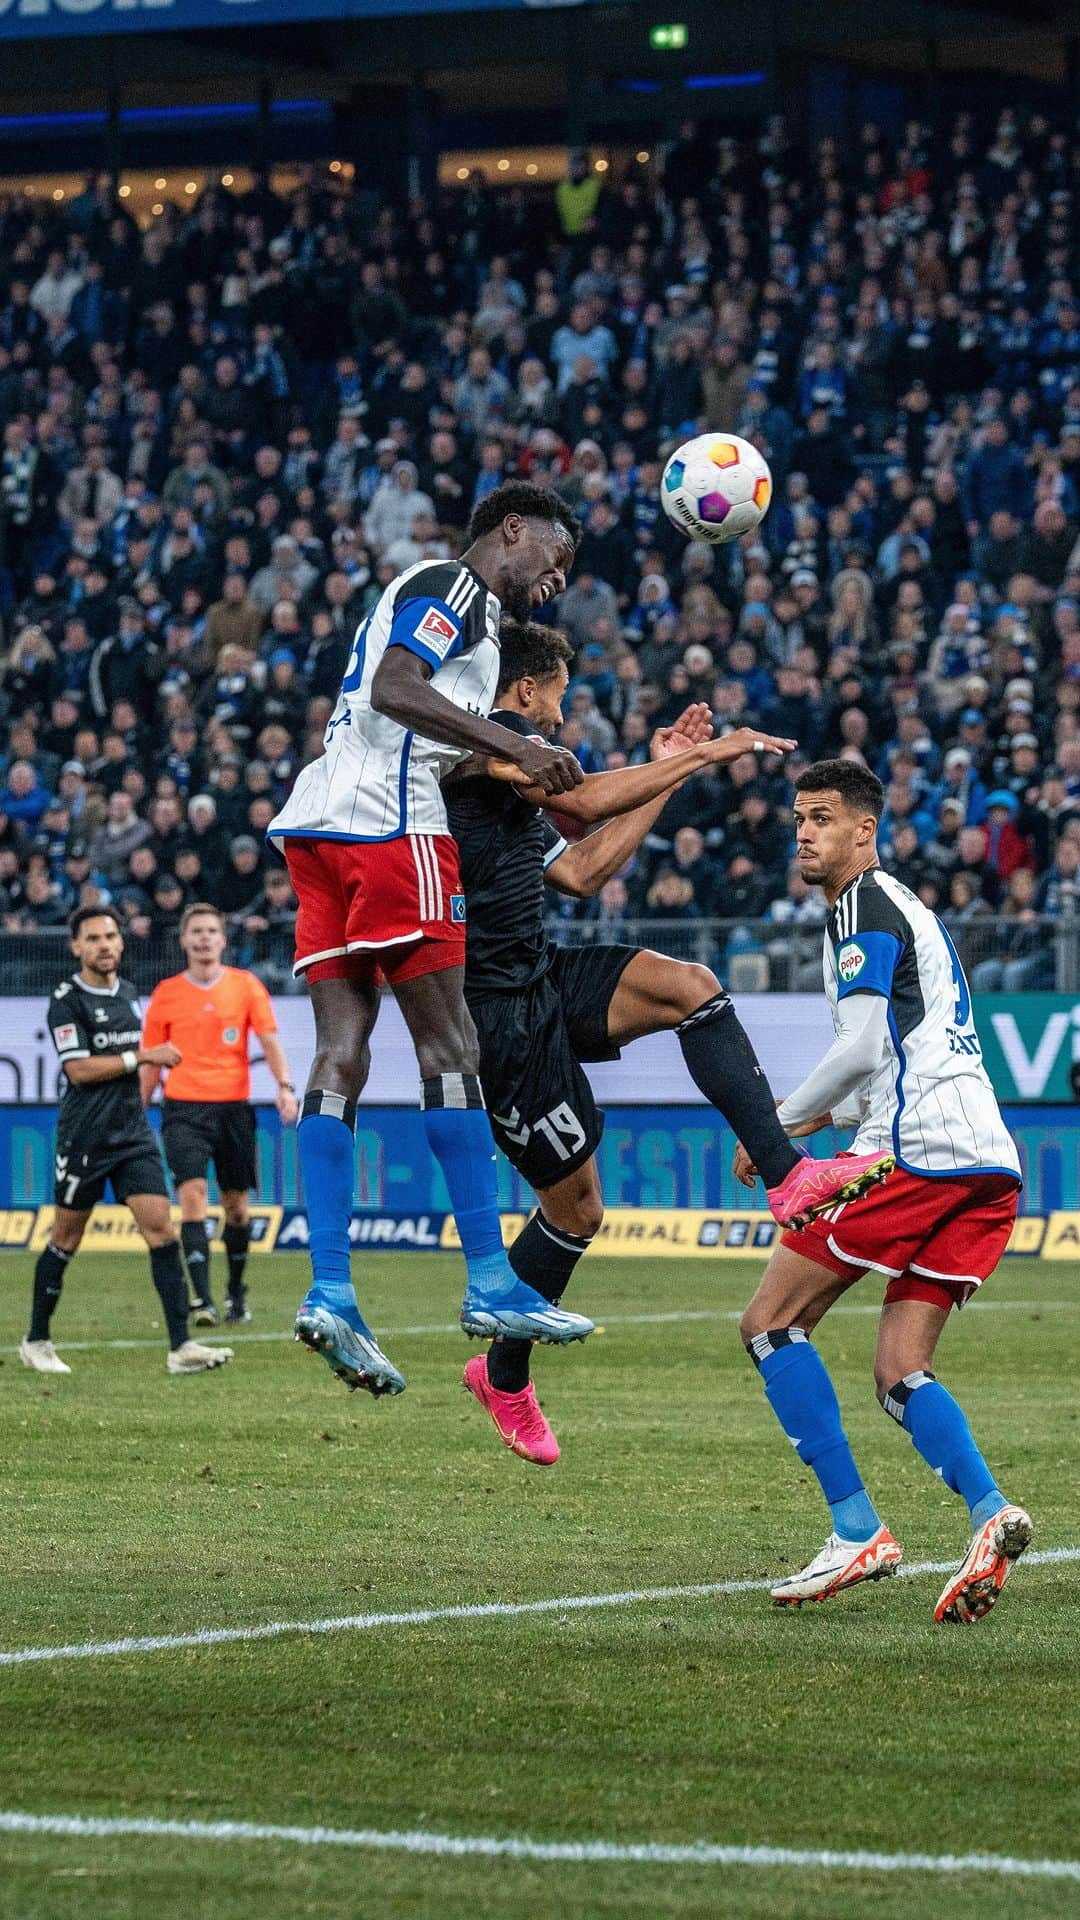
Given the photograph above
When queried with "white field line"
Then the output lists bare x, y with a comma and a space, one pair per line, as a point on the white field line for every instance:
426, 1616
573, 1852
238, 1338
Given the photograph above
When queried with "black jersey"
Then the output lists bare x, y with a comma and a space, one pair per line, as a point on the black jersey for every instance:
506, 846
85, 1023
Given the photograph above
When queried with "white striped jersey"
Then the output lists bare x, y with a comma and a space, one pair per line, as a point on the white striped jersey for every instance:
375, 779
930, 1100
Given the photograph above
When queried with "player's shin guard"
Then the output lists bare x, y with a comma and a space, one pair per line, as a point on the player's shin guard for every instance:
938, 1429
723, 1065
802, 1396
325, 1145
48, 1284
195, 1241
237, 1241
459, 1135
168, 1271
544, 1257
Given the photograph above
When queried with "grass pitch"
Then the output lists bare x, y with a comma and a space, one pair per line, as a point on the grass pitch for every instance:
140, 1504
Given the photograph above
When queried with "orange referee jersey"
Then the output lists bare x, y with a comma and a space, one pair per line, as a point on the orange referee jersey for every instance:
211, 1026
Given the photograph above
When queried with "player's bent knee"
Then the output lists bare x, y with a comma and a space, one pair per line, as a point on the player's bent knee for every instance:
693, 985
236, 1209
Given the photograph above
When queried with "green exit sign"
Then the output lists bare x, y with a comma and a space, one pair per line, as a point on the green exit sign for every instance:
668, 39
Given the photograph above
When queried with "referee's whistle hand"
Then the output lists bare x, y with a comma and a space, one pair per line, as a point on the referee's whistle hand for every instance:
166, 1055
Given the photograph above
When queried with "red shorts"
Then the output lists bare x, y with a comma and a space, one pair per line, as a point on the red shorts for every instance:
365, 908
935, 1240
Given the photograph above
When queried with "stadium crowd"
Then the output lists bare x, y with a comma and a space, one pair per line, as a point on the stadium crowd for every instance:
221, 438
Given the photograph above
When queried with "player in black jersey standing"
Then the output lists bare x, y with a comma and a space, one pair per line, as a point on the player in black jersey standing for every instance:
540, 1010
103, 1137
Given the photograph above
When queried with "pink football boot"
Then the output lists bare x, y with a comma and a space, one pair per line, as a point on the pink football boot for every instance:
517, 1416
814, 1186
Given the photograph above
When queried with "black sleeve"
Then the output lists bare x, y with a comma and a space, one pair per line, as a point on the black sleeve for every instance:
554, 842
515, 723
67, 1024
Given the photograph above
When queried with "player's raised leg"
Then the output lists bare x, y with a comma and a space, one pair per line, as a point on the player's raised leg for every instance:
937, 1426
544, 1256
497, 1302
793, 1295
656, 995
330, 1321
37, 1350
154, 1221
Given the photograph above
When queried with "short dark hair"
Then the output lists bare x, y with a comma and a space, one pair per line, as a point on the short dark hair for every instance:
856, 785
524, 498
82, 914
530, 649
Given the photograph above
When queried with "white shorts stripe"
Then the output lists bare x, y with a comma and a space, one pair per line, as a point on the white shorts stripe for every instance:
856, 1260
421, 876
436, 877
955, 1279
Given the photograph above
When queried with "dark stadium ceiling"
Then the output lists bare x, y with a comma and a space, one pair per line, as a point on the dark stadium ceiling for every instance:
564, 42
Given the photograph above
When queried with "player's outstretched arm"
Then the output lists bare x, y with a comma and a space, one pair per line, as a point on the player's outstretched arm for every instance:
402, 691
583, 869
601, 796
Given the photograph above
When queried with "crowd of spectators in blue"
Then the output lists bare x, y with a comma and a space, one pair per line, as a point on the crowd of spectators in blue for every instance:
223, 435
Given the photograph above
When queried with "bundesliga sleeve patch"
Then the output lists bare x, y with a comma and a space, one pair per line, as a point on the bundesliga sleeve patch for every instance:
66, 1037
437, 632
850, 962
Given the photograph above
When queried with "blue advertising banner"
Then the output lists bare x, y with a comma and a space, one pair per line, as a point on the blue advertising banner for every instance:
653, 1157
34, 19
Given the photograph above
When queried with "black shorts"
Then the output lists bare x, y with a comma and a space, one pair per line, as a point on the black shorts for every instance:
80, 1179
196, 1132
543, 1113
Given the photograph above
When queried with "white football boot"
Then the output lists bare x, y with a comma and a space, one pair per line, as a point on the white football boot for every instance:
193, 1358
840, 1564
42, 1356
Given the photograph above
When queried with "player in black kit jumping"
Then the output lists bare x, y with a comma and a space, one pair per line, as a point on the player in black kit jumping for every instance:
540, 1010
103, 1137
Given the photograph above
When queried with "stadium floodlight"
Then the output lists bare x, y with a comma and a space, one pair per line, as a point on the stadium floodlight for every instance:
669, 38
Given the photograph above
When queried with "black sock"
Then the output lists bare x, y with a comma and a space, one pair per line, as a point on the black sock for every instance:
48, 1282
237, 1241
544, 1257
721, 1061
168, 1272
195, 1240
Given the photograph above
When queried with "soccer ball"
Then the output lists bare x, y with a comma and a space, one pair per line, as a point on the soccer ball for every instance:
716, 488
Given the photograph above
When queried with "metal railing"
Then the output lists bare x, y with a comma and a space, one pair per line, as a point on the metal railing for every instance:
751, 956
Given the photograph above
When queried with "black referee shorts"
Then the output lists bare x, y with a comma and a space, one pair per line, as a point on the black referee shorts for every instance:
196, 1132
532, 1043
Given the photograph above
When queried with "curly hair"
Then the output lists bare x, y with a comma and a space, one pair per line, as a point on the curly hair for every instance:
530, 650
530, 502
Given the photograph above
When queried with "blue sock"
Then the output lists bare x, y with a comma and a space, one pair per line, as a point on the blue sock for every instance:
939, 1431
325, 1144
459, 1135
804, 1401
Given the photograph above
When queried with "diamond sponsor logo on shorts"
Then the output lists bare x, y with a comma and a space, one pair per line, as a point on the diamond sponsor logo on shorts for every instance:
457, 906
850, 962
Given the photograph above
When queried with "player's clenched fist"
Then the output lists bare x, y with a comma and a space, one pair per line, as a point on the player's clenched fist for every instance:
164, 1056
554, 769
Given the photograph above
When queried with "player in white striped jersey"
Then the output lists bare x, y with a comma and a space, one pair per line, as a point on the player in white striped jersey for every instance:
906, 1070
375, 871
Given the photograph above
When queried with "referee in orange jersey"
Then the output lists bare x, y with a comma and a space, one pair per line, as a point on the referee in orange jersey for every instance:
209, 1012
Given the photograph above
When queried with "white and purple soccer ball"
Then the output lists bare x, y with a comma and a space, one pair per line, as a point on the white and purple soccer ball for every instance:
716, 488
